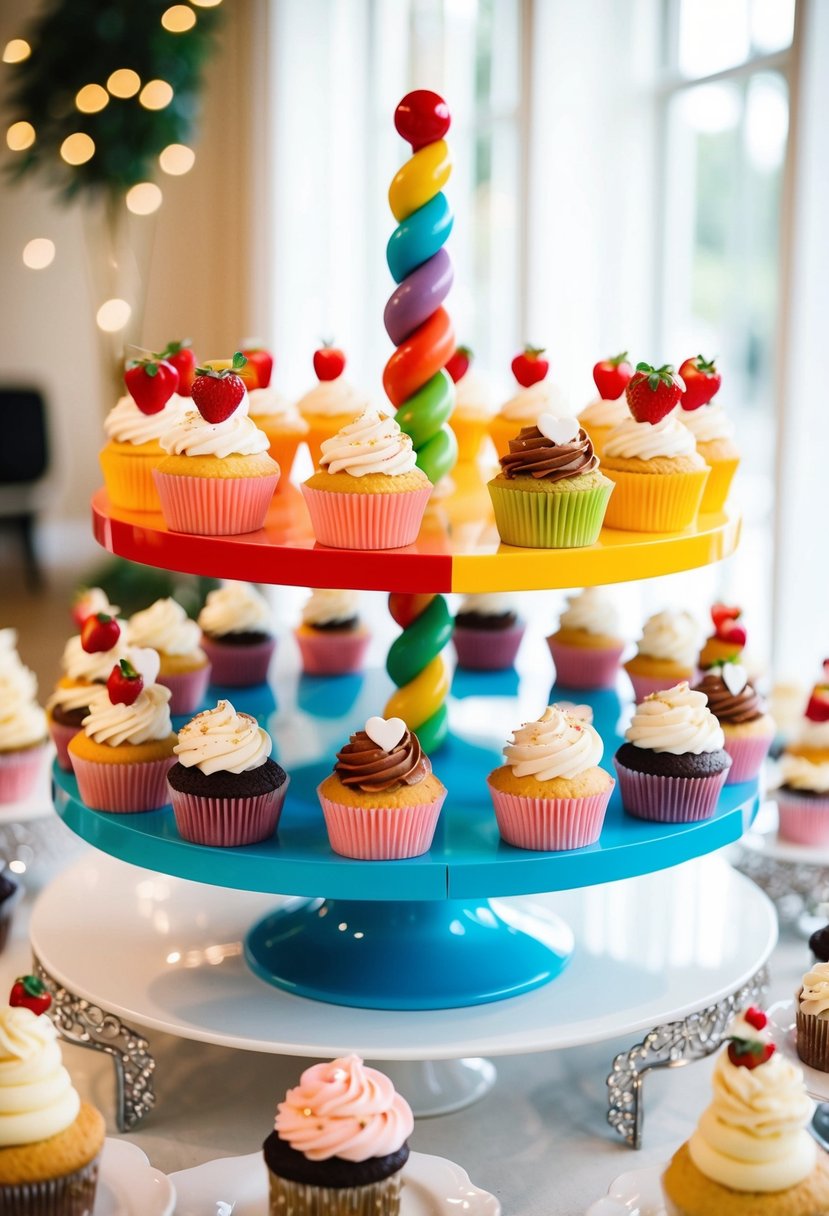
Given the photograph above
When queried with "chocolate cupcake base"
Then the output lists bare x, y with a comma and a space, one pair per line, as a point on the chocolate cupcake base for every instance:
812, 1038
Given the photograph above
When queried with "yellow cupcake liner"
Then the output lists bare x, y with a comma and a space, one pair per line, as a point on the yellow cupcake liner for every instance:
654, 502
470, 434
129, 480
719, 482
563, 519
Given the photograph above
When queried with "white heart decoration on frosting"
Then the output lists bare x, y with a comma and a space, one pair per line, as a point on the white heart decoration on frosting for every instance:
386, 732
560, 430
734, 677
146, 662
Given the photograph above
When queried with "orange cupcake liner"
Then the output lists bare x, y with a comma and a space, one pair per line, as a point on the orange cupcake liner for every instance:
129, 480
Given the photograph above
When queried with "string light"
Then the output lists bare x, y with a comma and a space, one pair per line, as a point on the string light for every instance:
77, 148
178, 19
124, 82
91, 98
20, 135
144, 199
16, 51
206, 3
39, 253
113, 315
177, 159
156, 94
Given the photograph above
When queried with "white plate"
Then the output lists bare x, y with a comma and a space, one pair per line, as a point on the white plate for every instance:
129, 1186
782, 1026
637, 1193
238, 1186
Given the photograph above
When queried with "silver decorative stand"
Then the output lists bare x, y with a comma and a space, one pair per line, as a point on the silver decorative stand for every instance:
670, 1046
795, 877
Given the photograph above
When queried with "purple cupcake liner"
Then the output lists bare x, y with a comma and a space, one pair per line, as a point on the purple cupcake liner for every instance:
236, 666
803, 819
332, 653
669, 799
583, 666
550, 824
487, 649
19, 772
227, 823
381, 833
187, 689
747, 755
123, 789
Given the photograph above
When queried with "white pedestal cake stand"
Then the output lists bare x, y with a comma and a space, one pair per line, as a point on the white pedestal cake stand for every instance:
794, 876
673, 953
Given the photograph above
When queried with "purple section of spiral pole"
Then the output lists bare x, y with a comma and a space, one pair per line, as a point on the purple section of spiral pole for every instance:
418, 296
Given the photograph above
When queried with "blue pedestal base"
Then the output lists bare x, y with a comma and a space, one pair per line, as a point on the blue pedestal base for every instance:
408, 954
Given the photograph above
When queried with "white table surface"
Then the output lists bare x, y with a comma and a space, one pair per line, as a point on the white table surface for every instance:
539, 1140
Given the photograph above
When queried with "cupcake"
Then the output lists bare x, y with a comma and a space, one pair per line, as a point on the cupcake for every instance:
611, 377
803, 794
472, 413
712, 429
332, 403
225, 789
551, 794
217, 478
90, 600
237, 635
88, 659
185, 668
674, 764
122, 755
728, 640
652, 458
51, 1141
751, 1153
819, 944
550, 493
23, 729
339, 1143
536, 396
586, 647
748, 730
331, 638
812, 1018
274, 414
666, 653
134, 427
382, 801
487, 632
369, 492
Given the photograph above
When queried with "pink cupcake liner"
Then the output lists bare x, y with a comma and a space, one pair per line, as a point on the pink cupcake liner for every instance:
487, 649
123, 789
365, 520
187, 689
332, 654
747, 755
19, 772
669, 799
584, 666
643, 686
62, 735
214, 506
381, 833
803, 820
550, 824
238, 666
226, 823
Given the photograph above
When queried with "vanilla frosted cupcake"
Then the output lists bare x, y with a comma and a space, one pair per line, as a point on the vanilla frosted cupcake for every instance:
88, 659
237, 635
551, 793
666, 653
659, 475
803, 794
713, 431
185, 669
327, 408
587, 646
225, 789
331, 636
23, 728
600, 417
369, 492
812, 1018
487, 632
283, 424
473, 410
134, 450
674, 764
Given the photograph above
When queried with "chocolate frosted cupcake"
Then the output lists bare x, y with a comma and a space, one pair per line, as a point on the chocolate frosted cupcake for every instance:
747, 728
339, 1143
237, 635
487, 632
382, 801
550, 493
819, 944
812, 1018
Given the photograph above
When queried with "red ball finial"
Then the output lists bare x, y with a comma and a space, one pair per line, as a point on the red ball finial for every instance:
422, 117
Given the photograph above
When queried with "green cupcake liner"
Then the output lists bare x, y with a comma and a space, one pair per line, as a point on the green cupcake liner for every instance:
563, 519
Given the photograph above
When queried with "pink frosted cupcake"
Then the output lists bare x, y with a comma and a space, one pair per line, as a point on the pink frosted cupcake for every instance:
748, 729
586, 647
237, 635
23, 730
674, 764
803, 795
382, 801
487, 632
225, 789
185, 669
551, 795
331, 638
666, 654
369, 492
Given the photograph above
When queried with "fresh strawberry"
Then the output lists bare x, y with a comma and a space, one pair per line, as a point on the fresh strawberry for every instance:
653, 392
151, 383
611, 376
702, 380
723, 612
745, 1053
88, 601
818, 708
216, 394
261, 361
731, 631
756, 1017
528, 367
99, 633
29, 992
329, 362
184, 361
124, 683
458, 365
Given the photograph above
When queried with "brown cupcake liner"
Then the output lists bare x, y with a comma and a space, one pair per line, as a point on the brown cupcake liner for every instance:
812, 1038
71, 1195
301, 1199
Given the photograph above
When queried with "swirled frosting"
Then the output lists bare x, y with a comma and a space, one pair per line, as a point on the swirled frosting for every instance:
220, 740
366, 766
235, 608
192, 435
532, 454
753, 1135
372, 443
473, 394
344, 1109
125, 422
727, 706
332, 397
676, 720
602, 412
529, 404
557, 745
36, 1095
91, 601
800, 773
708, 423
16, 680
327, 605
632, 440
164, 627
93, 668
22, 724
487, 603
814, 992
69, 696
270, 403
592, 611
672, 635
147, 720
813, 734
